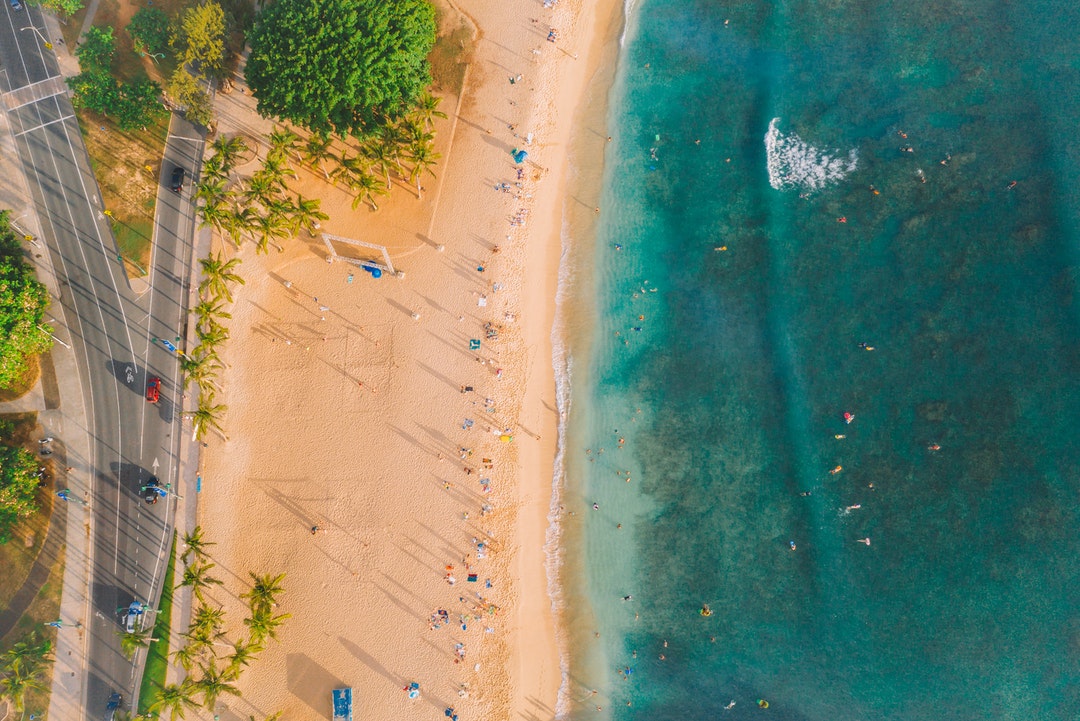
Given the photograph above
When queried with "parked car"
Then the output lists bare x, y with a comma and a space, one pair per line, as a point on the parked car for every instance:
177, 182
16, 5
153, 389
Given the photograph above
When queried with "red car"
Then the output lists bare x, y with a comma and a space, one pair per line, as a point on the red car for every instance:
153, 390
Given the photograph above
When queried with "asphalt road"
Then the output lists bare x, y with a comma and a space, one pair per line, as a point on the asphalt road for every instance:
112, 331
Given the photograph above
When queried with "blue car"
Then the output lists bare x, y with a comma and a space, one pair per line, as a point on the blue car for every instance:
111, 708
16, 5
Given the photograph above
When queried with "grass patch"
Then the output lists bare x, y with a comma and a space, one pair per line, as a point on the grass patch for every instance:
45, 608
18, 555
157, 657
23, 383
452, 52
127, 166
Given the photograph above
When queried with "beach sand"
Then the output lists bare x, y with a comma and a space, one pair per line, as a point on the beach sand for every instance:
346, 411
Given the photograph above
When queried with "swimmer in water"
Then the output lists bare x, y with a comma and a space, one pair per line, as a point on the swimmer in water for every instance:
849, 509
864, 540
933, 447
730, 705
839, 436
804, 494
836, 470
848, 417
792, 545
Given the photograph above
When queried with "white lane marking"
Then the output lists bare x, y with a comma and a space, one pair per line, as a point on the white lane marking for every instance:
101, 316
45, 125
32, 100
183, 137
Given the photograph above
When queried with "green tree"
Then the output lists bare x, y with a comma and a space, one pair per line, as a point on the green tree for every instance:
186, 92
317, 149
97, 49
269, 227
283, 143
140, 103
149, 30
62, 7
213, 683
207, 622
202, 37
132, 641
366, 186
218, 276
195, 545
340, 65
188, 654
207, 417
383, 153
424, 158
242, 655
264, 591
175, 699
18, 488
427, 108
306, 215
201, 369
23, 302
207, 311
197, 575
263, 624
229, 150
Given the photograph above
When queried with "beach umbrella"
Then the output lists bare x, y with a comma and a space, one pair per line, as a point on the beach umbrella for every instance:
519, 155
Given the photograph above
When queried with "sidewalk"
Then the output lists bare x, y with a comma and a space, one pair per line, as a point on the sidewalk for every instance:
67, 422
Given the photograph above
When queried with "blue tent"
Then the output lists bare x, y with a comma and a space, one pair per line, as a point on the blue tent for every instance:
519, 155
342, 704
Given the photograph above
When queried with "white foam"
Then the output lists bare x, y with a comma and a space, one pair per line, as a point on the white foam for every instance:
562, 362
794, 163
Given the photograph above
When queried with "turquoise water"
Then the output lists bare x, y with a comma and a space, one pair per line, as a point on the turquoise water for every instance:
729, 393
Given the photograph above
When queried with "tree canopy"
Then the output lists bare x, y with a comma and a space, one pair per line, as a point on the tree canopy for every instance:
18, 487
340, 66
97, 49
23, 301
149, 30
63, 7
202, 35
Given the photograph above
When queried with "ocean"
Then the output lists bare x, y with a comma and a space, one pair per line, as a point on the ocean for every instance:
821, 368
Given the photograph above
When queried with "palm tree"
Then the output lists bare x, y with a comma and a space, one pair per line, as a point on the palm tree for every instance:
424, 157
213, 170
195, 545
218, 275
306, 215
427, 107
176, 699
21, 666
243, 220
201, 370
228, 150
382, 155
197, 575
267, 228
212, 190
217, 215
212, 335
208, 311
188, 654
213, 683
316, 149
207, 622
412, 130
366, 186
132, 641
203, 419
263, 625
243, 654
264, 185
264, 591
16, 684
282, 142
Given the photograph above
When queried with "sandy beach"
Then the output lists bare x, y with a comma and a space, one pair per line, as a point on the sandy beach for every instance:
354, 462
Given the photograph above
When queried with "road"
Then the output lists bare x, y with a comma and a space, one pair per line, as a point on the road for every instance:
112, 330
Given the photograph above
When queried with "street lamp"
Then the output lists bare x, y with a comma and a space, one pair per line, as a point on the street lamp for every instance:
48, 45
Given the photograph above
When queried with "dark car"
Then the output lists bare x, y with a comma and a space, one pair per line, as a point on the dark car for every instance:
151, 492
16, 5
177, 182
112, 706
153, 390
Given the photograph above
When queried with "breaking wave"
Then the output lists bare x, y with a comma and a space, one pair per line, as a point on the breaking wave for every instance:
794, 163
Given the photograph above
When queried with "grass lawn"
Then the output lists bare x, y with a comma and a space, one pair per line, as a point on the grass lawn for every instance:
18, 554
25, 382
45, 608
157, 658
452, 52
